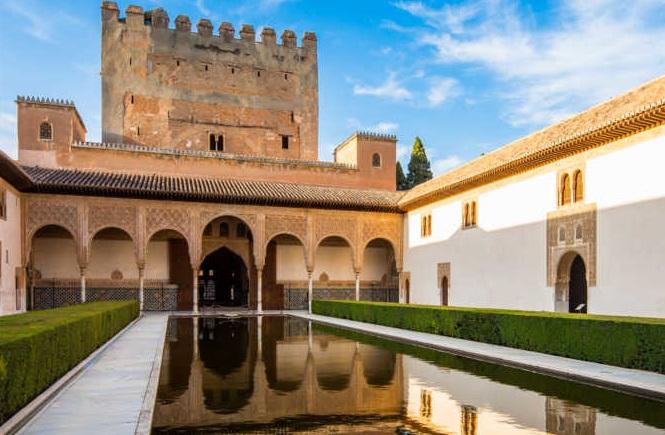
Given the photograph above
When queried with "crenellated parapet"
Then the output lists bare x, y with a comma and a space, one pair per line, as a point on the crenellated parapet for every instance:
136, 18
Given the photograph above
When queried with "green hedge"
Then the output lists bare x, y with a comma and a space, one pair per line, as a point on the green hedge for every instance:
631, 342
38, 347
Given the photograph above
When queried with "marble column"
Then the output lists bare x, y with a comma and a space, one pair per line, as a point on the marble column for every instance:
259, 290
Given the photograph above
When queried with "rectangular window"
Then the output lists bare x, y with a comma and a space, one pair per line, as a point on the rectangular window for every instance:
470, 214
285, 142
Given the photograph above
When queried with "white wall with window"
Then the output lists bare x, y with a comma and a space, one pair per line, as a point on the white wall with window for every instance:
12, 299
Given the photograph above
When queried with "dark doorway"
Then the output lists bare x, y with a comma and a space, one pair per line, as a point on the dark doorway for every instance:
577, 287
223, 280
444, 291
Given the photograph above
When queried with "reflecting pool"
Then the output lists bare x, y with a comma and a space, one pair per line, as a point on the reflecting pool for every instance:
280, 374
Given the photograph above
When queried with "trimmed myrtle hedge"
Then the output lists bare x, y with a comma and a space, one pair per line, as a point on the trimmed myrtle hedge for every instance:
631, 342
38, 347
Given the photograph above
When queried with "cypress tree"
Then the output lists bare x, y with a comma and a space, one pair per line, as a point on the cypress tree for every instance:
419, 166
401, 178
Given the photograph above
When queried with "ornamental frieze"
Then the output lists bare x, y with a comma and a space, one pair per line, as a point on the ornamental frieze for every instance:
42, 213
279, 224
326, 226
157, 219
105, 216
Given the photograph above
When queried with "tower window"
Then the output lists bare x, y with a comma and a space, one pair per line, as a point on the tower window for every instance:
376, 160
286, 76
293, 118
241, 230
258, 73
45, 131
285, 142
216, 142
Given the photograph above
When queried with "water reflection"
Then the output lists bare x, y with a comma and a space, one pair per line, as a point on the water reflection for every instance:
243, 375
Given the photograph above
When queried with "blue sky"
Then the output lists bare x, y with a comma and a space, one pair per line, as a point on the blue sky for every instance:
466, 76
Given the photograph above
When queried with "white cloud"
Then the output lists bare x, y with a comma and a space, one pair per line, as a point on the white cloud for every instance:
441, 166
593, 51
402, 151
442, 89
391, 89
8, 133
200, 5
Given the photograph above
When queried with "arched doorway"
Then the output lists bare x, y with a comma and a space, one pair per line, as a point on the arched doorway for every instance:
577, 287
223, 280
444, 291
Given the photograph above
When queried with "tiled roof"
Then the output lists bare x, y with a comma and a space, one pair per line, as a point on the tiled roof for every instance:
212, 154
188, 188
635, 111
13, 173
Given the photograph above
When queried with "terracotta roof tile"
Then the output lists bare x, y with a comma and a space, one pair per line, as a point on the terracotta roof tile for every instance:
187, 188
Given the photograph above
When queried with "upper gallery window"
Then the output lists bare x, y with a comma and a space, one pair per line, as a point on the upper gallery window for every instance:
45, 131
376, 160
3, 204
578, 186
426, 225
469, 214
571, 188
565, 190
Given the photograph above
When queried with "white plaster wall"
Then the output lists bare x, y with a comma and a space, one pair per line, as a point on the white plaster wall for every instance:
499, 263
10, 255
56, 258
336, 261
502, 262
628, 185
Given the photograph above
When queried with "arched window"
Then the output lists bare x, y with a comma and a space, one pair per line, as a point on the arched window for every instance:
474, 213
223, 229
565, 189
45, 131
562, 235
578, 186
579, 235
467, 216
376, 160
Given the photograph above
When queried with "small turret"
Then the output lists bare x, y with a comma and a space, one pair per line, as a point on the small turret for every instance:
204, 27
268, 36
289, 39
247, 33
159, 18
183, 24
226, 31
135, 17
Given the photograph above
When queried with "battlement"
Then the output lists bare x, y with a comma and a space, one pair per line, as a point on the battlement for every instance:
370, 135
45, 101
136, 18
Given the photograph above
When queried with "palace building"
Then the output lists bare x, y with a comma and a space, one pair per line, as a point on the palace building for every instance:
207, 191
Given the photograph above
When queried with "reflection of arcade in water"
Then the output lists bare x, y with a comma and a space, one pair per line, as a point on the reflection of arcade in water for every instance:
249, 374
253, 372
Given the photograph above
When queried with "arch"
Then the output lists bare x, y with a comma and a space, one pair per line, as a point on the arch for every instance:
45, 131
378, 365
224, 279
444, 291
285, 233
379, 271
54, 267
376, 160
96, 232
103, 263
284, 269
332, 238
565, 197
578, 185
171, 264
571, 283
577, 287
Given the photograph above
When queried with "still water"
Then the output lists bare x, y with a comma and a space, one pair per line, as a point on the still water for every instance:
277, 374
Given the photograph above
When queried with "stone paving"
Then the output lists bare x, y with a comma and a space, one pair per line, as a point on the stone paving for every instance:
107, 397
627, 380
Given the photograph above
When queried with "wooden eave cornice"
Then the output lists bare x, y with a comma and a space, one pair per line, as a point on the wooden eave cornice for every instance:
632, 123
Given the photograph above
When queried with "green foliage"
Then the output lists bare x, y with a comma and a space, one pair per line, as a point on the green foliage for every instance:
38, 347
630, 342
419, 166
400, 178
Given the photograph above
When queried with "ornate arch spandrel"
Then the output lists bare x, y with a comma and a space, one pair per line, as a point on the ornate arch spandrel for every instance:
41, 213
111, 216
161, 219
388, 229
209, 215
291, 225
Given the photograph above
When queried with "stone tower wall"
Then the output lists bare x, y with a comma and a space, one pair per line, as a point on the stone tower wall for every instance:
172, 88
